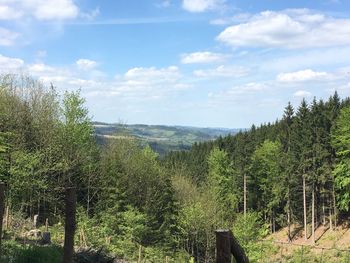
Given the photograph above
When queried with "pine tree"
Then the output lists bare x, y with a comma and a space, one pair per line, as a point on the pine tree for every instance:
341, 143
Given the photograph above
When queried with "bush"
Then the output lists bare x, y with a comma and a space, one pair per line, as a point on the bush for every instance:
35, 254
249, 229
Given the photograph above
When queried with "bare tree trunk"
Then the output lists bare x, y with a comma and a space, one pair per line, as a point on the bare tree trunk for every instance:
245, 194
323, 212
304, 197
289, 216
330, 218
2, 210
335, 207
88, 199
70, 224
313, 213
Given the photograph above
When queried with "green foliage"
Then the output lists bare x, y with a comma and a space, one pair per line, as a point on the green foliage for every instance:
221, 182
39, 255
129, 196
266, 169
341, 143
248, 230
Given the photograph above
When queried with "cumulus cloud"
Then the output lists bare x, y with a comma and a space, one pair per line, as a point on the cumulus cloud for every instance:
202, 57
222, 71
86, 64
153, 74
39, 9
302, 94
303, 75
297, 28
197, 6
7, 37
7, 63
138, 83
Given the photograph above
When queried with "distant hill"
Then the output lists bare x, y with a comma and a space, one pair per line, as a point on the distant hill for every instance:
161, 138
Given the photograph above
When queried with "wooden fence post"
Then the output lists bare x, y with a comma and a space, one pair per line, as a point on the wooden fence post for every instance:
223, 247
2, 208
226, 244
70, 224
47, 225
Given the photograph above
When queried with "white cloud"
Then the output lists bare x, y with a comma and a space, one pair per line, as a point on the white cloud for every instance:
86, 64
9, 13
202, 58
303, 75
297, 28
8, 64
152, 74
136, 84
39, 9
40, 68
302, 94
7, 37
238, 91
197, 6
222, 71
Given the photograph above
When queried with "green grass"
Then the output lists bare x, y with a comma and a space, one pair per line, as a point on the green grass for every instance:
17, 253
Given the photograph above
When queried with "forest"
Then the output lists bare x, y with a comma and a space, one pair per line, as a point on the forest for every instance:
292, 174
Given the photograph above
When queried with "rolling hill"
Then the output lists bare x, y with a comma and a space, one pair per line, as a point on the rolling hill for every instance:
161, 138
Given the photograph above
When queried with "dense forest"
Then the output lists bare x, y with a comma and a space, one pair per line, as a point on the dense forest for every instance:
287, 174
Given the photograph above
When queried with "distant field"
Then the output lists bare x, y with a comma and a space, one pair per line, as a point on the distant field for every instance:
161, 138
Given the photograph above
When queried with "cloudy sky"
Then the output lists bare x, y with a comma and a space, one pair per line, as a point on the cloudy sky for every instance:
211, 63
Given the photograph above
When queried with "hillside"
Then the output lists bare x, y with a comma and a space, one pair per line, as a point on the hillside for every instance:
161, 138
332, 245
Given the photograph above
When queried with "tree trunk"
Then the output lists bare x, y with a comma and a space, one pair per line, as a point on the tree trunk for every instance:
289, 216
70, 224
323, 212
335, 207
245, 195
330, 218
304, 199
313, 213
2, 210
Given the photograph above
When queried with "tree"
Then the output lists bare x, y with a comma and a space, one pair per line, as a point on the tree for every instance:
302, 150
341, 143
287, 163
265, 166
221, 182
75, 139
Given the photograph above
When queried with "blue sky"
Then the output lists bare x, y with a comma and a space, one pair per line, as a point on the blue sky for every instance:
210, 63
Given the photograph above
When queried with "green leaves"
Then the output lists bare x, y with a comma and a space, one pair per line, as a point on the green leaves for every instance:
341, 143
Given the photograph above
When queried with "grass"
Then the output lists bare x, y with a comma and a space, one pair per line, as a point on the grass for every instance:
17, 253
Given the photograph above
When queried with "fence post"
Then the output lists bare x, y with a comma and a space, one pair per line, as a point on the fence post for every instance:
70, 224
223, 246
226, 244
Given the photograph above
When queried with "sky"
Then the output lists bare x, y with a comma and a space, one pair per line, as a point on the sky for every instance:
207, 63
